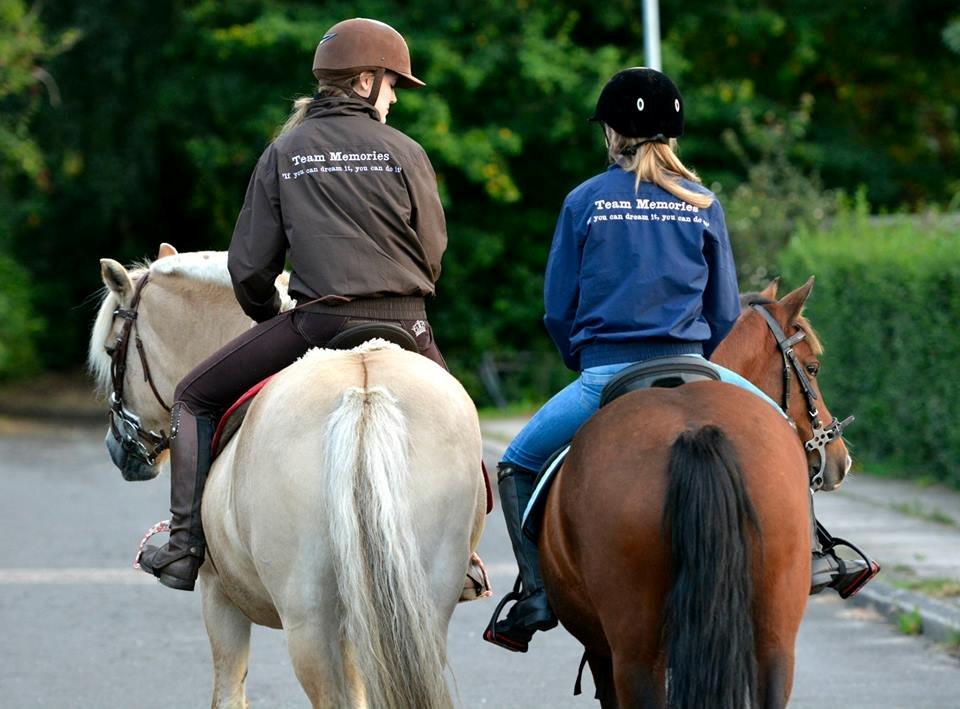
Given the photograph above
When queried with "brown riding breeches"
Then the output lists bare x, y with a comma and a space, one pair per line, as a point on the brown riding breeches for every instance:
217, 382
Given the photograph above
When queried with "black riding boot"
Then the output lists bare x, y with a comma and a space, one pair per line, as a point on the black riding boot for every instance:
531, 612
177, 562
845, 576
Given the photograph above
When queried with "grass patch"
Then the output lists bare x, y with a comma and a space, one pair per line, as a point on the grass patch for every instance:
519, 409
910, 622
935, 587
904, 569
952, 645
915, 509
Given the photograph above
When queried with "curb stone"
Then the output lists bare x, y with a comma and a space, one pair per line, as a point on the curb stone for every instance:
941, 622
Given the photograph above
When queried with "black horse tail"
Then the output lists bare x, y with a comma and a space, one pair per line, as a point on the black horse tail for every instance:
708, 620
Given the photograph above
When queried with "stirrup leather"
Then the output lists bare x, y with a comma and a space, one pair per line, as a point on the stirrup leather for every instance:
852, 587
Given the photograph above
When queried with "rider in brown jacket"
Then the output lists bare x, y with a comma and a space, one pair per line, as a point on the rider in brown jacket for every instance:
353, 205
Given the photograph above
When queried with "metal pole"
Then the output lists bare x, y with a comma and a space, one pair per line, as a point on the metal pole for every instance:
651, 33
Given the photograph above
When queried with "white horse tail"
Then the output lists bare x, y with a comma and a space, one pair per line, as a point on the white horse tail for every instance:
388, 622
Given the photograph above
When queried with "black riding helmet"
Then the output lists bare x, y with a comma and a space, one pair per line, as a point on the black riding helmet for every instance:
641, 103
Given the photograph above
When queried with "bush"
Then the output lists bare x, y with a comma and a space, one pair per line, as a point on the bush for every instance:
885, 305
17, 323
781, 194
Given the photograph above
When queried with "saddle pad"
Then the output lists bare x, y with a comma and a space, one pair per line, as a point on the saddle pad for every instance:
231, 420
534, 512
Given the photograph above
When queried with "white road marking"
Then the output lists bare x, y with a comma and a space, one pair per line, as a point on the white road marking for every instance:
120, 577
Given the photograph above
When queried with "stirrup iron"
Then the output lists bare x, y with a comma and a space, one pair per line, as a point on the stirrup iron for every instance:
829, 543
490, 634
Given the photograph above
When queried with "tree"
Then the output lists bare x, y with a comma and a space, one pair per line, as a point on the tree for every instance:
24, 82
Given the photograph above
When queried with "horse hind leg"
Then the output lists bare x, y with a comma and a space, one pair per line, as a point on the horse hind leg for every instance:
774, 679
602, 670
321, 663
638, 683
229, 633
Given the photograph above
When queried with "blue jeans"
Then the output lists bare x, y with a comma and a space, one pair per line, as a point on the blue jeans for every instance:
554, 425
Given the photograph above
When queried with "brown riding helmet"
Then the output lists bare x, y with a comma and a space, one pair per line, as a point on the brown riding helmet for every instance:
364, 45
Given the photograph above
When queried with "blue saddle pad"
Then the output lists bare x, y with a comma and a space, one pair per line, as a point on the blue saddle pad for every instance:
534, 512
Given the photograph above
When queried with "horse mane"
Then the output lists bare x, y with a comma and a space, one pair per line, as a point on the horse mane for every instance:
204, 267
98, 361
756, 298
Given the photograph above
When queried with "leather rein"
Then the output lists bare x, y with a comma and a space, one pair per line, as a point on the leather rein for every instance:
822, 435
124, 424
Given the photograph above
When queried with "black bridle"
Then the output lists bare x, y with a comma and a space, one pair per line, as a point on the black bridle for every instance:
822, 435
124, 424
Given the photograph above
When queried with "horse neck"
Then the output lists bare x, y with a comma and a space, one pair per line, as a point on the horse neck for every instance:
744, 350
182, 322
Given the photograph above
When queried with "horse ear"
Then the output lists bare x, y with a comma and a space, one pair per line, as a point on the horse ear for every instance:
116, 278
166, 250
770, 292
793, 302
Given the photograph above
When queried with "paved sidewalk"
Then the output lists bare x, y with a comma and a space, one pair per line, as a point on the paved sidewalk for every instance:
911, 529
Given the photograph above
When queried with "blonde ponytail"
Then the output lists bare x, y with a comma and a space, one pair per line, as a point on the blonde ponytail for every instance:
337, 84
296, 116
656, 163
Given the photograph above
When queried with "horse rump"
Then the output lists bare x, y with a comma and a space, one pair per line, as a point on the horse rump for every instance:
707, 519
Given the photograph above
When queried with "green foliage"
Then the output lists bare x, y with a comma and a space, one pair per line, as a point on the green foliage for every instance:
885, 305
910, 622
18, 324
24, 48
779, 195
166, 106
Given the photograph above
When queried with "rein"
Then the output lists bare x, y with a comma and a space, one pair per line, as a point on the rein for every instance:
124, 424
822, 435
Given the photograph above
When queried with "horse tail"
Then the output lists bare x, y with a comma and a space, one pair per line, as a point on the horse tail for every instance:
708, 621
389, 625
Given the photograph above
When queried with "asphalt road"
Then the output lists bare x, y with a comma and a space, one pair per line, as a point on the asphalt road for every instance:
80, 628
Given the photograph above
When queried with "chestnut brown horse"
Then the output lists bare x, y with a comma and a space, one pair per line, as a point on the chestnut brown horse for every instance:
676, 538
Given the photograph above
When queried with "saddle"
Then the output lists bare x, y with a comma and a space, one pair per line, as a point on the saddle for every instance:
662, 372
353, 336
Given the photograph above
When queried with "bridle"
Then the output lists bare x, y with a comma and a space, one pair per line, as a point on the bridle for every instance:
124, 424
822, 435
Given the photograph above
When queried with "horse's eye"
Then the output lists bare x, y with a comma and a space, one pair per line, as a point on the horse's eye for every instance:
813, 368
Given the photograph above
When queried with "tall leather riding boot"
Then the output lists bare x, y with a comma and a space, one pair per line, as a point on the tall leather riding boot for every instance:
531, 612
177, 563
845, 576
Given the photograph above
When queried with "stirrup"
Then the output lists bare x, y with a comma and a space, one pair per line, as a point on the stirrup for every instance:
853, 586
505, 641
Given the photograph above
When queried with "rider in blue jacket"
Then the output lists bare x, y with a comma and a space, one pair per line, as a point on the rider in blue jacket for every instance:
640, 267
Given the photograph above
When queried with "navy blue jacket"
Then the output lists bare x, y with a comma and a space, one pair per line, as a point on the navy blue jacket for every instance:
637, 274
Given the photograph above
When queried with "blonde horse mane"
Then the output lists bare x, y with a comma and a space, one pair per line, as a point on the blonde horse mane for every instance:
203, 269
98, 361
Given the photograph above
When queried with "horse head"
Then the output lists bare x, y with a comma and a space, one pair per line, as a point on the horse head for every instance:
774, 346
148, 333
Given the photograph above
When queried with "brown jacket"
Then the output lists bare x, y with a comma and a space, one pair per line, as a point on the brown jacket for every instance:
355, 203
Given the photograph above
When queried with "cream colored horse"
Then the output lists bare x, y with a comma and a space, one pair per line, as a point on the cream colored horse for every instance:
345, 509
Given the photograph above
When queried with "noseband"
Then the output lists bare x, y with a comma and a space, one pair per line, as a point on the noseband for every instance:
822, 435
124, 424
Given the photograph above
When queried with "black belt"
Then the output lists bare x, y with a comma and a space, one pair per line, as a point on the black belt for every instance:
403, 307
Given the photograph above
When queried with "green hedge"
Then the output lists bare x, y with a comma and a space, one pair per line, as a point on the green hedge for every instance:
18, 324
886, 304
